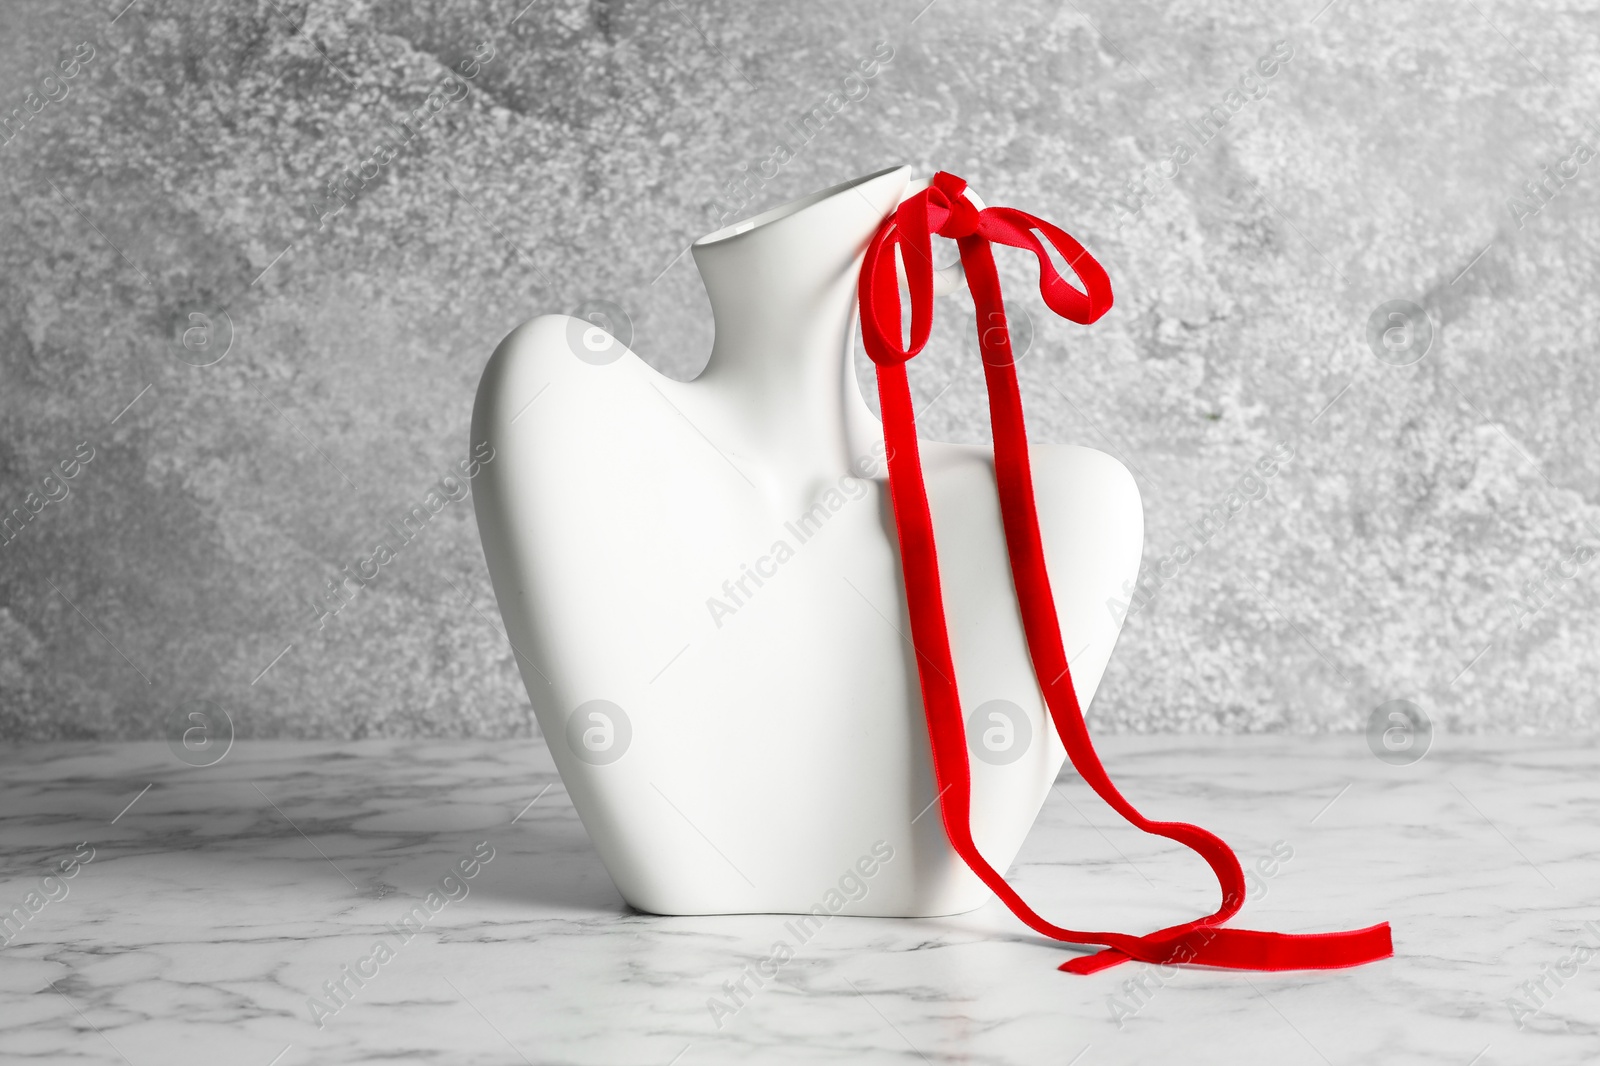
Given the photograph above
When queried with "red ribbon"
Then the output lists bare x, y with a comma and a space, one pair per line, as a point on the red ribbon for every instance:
942, 209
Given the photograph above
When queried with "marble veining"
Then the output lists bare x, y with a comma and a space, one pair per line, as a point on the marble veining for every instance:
209, 908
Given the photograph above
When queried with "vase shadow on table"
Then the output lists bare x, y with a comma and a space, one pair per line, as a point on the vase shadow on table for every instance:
551, 865
545, 863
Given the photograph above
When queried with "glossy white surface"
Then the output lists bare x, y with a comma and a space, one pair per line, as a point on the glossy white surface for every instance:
705, 575
206, 919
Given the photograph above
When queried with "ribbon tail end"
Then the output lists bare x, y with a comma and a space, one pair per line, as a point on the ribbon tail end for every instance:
1088, 964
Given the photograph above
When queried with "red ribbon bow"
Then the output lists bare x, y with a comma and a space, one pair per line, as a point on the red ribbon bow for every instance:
942, 209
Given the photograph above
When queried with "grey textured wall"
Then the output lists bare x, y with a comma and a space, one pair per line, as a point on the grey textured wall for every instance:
1437, 512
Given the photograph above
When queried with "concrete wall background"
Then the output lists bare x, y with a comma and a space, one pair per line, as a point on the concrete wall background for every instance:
1384, 161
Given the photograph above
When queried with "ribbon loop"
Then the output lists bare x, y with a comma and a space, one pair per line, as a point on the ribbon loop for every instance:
1004, 225
943, 209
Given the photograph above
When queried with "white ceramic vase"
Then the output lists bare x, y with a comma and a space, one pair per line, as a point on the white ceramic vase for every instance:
701, 582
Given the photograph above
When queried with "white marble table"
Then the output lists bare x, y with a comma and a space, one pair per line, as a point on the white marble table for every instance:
223, 898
